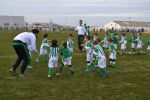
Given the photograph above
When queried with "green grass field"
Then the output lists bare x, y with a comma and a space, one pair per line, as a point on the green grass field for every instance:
129, 81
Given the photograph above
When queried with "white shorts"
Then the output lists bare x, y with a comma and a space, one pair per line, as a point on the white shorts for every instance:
89, 57
148, 48
53, 62
43, 50
66, 61
105, 45
102, 62
132, 45
115, 46
112, 55
123, 46
71, 50
139, 46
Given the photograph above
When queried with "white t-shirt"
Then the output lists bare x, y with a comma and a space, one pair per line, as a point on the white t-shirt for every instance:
29, 38
81, 30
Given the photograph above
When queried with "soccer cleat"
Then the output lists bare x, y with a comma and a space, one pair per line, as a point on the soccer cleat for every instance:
87, 71
37, 60
57, 74
13, 72
49, 76
22, 75
30, 67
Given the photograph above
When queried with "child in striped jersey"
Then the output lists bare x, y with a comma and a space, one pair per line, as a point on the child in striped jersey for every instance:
105, 41
89, 53
112, 57
123, 43
133, 43
99, 52
43, 48
139, 43
66, 57
70, 43
53, 58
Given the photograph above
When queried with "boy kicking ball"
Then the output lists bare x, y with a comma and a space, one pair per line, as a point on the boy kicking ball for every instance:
66, 58
43, 48
53, 60
98, 50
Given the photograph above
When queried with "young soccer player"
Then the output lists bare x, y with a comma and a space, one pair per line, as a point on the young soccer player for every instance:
123, 43
98, 50
112, 56
70, 43
95, 37
133, 43
89, 53
43, 48
53, 60
66, 57
115, 40
148, 48
105, 41
139, 43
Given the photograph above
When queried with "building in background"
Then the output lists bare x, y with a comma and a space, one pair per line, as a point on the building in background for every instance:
12, 22
129, 26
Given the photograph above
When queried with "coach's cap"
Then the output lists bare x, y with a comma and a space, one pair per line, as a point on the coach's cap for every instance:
35, 30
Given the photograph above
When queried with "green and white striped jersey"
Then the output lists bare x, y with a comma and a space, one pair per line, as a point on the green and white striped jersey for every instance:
88, 46
95, 38
45, 42
54, 51
112, 48
65, 52
98, 50
70, 42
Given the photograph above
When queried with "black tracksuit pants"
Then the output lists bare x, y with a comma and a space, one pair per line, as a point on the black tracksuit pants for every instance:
23, 55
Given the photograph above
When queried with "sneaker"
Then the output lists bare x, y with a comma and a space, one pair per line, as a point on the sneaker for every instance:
87, 70
37, 60
57, 74
23, 75
49, 76
13, 72
72, 72
30, 67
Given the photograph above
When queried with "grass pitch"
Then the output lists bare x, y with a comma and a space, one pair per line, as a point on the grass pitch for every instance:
129, 81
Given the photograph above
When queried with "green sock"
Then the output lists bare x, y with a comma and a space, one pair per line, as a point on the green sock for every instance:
103, 72
50, 71
29, 63
38, 58
71, 69
45, 57
61, 67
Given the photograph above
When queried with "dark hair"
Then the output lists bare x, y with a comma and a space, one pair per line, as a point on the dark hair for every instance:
111, 40
95, 42
54, 42
64, 44
45, 35
95, 34
99, 40
70, 34
89, 37
35, 31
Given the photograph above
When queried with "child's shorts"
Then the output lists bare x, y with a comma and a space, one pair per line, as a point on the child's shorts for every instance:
139, 46
112, 55
102, 62
132, 45
53, 62
105, 45
89, 57
148, 48
123, 46
43, 50
66, 61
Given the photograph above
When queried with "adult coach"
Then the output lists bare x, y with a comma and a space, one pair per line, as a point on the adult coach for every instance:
20, 44
81, 32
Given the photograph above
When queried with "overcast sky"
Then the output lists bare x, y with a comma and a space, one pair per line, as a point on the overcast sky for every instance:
68, 12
